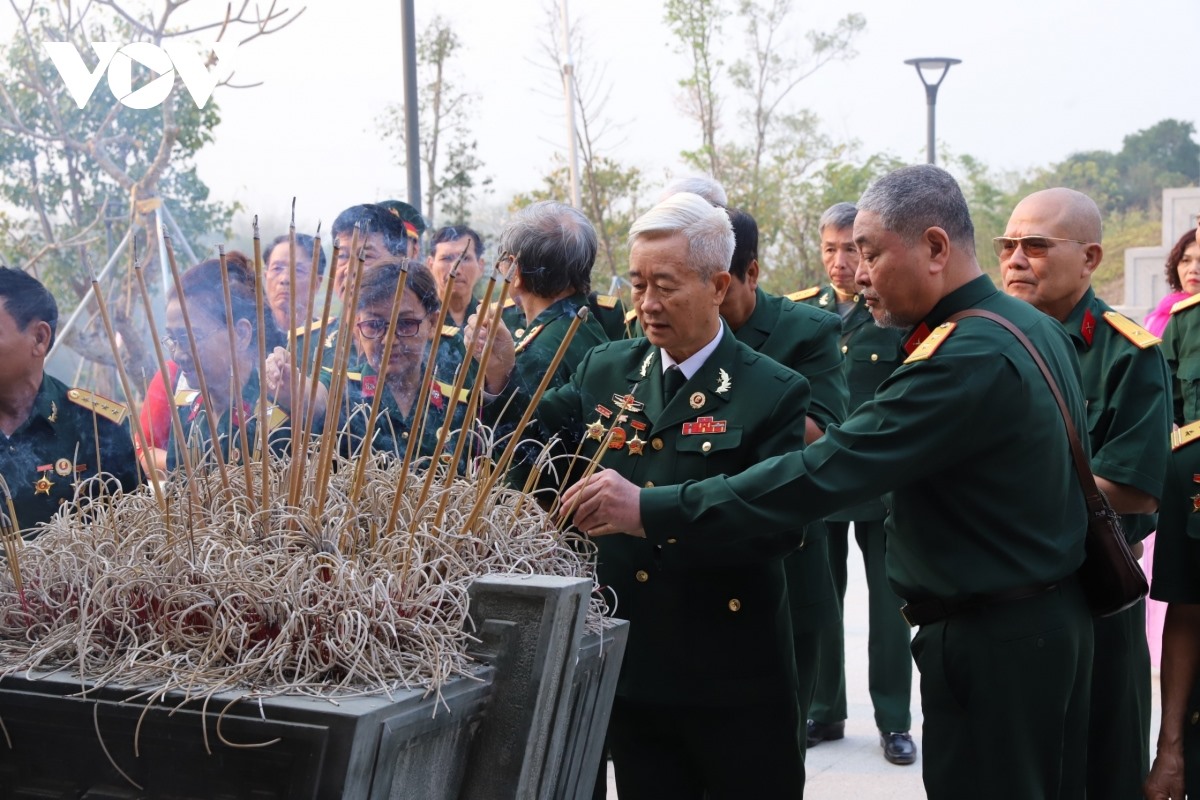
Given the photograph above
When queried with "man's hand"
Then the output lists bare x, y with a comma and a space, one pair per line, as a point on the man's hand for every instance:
604, 504
1165, 781
503, 358
277, 378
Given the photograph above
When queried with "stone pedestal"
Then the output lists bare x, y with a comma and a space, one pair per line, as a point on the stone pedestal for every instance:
528, 722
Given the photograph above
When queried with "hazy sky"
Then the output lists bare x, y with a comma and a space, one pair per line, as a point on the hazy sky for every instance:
1039, 80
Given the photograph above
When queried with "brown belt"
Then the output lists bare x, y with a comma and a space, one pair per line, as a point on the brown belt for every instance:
927, 612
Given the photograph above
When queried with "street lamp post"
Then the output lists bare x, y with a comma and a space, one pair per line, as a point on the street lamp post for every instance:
927, 70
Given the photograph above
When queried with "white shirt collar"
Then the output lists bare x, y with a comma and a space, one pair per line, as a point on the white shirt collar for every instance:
690, 366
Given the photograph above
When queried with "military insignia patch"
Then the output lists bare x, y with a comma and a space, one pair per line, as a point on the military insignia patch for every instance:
626, 402
1088, 329
646, 363
697, 400
724, 383
931, 342
53, 412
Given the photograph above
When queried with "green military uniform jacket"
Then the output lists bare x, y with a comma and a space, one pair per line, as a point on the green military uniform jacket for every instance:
535, 349
708, 627
1181, 346
806, 340
189, 404
1177, 563
952, 435
452, 350
71, 435
870, 354
610, 313
1125, 385
393, 427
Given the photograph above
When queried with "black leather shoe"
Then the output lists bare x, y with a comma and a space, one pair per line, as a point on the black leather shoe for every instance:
898, 748
825, 732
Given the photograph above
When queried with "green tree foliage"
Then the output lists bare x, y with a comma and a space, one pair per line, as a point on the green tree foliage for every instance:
449, 154
777, 161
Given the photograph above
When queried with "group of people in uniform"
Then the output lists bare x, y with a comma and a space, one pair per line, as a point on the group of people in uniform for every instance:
738, 435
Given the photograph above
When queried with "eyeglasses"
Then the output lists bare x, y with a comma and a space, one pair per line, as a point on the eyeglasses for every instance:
175, 342
376, 328
1034, 246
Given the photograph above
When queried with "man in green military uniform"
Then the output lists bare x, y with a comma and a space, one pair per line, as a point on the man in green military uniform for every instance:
461, 245
987, 520
53, 437
1048, 254
706, 701
806, 340
1176, 771
871, 354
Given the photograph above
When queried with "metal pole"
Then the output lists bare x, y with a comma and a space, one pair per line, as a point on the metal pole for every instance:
568, 75
930, 123
71, 320
412, 132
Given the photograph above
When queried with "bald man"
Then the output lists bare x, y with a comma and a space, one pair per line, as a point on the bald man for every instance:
1048, 254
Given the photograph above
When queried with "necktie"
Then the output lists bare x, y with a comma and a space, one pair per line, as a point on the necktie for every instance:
673, 381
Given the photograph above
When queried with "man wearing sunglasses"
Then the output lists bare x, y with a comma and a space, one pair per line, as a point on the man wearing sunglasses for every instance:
987, 520
1048, 254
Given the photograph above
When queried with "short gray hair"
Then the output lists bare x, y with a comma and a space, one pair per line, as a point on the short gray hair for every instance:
911, 200
838, 216
702, 185
707, 229
555, 247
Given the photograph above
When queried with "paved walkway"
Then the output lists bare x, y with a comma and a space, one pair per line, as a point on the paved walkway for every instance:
854, 767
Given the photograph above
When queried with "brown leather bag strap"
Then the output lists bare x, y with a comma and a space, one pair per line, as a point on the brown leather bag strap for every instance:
1083, 467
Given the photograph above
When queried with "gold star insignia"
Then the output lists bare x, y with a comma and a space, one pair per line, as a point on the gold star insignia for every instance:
636, 445
43, 485
595, 430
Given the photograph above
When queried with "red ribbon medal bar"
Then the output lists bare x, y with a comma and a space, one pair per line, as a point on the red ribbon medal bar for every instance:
704, 425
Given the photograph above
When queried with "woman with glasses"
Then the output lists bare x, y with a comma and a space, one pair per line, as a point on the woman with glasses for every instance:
208, 352
405, 370
1183, 276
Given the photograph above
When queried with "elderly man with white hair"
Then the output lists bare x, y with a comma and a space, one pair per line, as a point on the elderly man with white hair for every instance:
706, 701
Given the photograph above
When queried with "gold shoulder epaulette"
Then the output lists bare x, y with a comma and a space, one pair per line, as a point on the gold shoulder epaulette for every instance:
529, 336
606, 301
1131, 330
630, 315
509, 302
304, 330
185, 397
932, 342
450, 330
276, 416
351, 376
446, 389
1185, 435
111, 410
804, 294
1187, 303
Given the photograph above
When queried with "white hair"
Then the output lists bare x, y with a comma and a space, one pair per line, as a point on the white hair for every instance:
707, 229
702, 185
